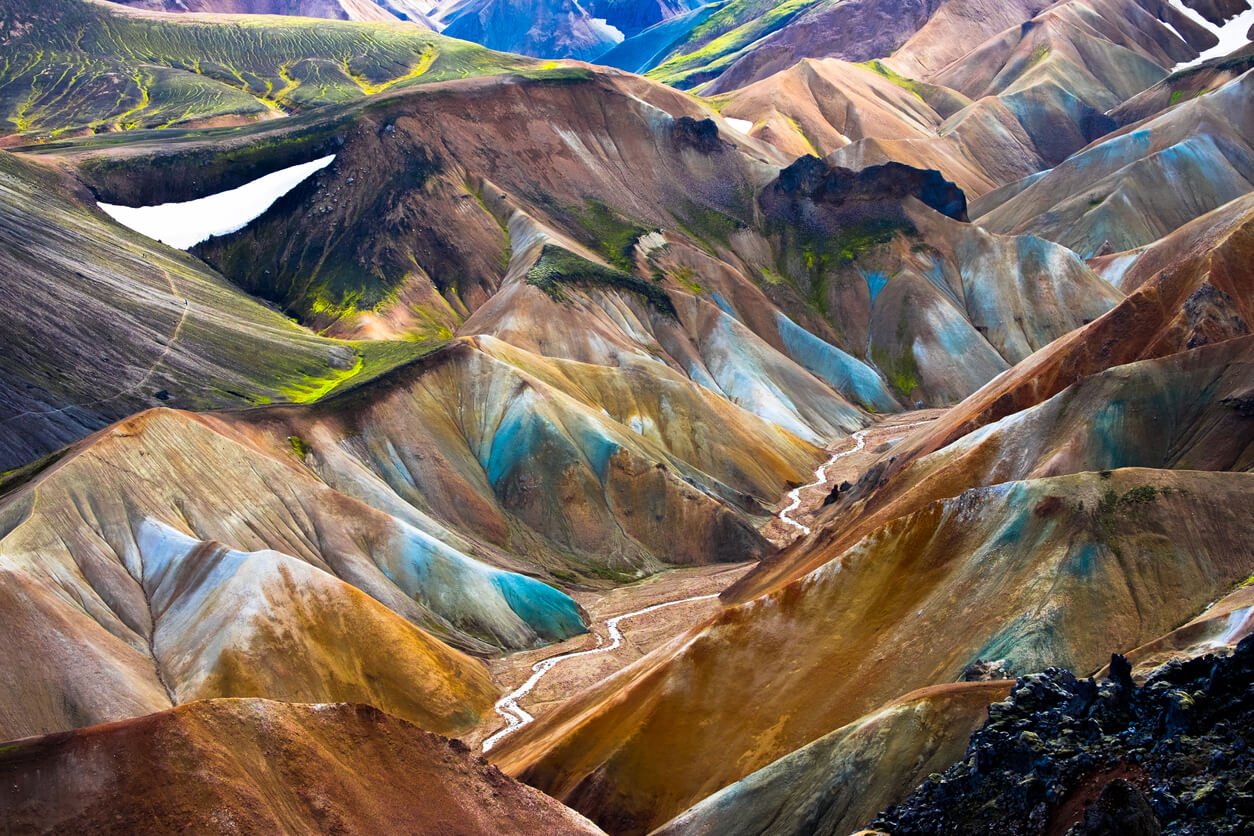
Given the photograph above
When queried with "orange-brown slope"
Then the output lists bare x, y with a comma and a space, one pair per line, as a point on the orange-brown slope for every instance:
1105, 421
863, 115
1044, 572
839, 782
256, 766
819, 105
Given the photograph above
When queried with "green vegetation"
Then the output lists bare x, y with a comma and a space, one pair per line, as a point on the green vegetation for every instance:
11, 480
373, 359
856, 239
1139, 496
613, 236
1178, 96
720, 39
1111, 501
799, 131
820, 256
684, 275
558, 267
901, 370
771, 277
299, 447
72, 66
706, 225
880, 68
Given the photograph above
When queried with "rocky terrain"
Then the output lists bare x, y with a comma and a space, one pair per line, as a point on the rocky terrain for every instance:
1068, 755
773, 428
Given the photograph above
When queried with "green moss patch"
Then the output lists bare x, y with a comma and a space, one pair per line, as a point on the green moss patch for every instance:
72, 66
558, 268
613, 236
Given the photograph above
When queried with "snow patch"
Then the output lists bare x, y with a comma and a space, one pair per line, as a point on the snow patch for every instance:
602, 27
742, 125
183, 225
1232, 34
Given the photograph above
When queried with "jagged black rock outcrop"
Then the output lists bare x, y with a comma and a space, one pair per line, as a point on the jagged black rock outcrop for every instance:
1065, 755
701, 135
822, 183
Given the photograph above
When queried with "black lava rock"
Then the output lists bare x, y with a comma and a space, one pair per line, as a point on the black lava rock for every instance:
1173, 756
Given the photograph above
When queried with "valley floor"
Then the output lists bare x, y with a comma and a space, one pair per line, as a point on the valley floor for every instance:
847, 464
641, 634
691, 590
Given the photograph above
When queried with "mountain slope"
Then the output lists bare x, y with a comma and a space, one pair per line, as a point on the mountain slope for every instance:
99, 322
78, 67
857, 636
1141, 182
258, 765
840, 781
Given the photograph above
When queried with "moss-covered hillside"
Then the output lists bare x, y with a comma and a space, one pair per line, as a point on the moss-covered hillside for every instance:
70, 66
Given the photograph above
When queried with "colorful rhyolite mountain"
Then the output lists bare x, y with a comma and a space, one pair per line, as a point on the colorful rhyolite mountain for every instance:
526, 335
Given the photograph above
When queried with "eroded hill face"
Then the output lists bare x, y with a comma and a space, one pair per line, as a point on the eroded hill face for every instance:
78, 67
535, 332
268, 765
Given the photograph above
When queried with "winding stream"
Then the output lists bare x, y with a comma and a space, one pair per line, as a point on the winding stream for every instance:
516, 716
820, 478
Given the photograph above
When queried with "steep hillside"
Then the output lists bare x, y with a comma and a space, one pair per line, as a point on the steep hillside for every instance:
256, 765
840, 781
370, 10
937, 306
78, 67
1133, 552
99, 322
1183, 85
816, 107
1141, 182
746, 41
